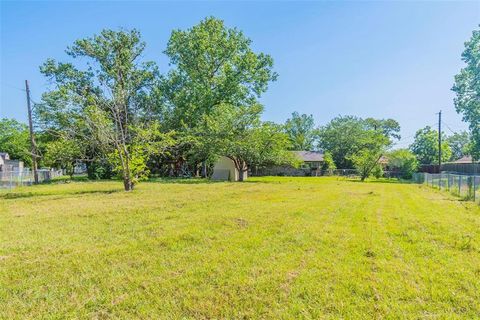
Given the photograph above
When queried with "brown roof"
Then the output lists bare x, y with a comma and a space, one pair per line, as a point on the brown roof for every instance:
309, 156
383, 160
465, 159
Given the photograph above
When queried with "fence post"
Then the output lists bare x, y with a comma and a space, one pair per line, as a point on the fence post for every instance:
460, 186
474, 187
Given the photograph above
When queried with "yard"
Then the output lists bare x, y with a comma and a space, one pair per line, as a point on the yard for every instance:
266, 248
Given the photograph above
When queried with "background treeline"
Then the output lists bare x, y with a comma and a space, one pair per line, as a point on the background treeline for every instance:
122, 116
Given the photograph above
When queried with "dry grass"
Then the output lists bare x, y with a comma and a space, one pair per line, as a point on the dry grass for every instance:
267, 248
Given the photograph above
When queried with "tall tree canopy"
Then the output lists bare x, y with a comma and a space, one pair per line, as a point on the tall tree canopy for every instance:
213, 66
389, 127
108, 101
425, 146
346, 136
467, 90
301, 131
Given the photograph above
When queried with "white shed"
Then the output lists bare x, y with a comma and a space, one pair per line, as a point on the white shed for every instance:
225, 170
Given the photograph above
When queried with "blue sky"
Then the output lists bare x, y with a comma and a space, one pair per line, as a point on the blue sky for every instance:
370, 59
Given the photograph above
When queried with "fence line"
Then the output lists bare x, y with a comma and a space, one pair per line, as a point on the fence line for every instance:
11, 179
464, 186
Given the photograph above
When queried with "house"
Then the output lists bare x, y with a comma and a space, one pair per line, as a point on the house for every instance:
311, 163
310, 159
464, 159
225, 170
6, 164
3, 158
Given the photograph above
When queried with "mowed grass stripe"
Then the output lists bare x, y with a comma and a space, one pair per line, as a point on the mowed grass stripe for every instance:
268, 248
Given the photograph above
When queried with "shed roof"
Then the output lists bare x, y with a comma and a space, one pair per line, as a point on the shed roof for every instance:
309, 156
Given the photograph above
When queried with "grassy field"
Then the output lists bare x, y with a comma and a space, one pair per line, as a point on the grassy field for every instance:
278, 248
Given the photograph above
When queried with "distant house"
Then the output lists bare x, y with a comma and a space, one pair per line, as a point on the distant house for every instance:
464, 159
4, 157
224, 170
6, 164
310, 159
311, 164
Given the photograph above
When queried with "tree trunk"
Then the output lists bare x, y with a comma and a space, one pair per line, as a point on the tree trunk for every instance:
127, 183
241, 175
204, 169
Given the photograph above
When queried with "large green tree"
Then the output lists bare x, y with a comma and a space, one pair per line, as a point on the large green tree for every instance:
404, 161
389, 127
425, 146
459, 143
241, 136
212, 66
345, 136
104, 98
62, 153
467, 90
372, 145
301, 131
14, 139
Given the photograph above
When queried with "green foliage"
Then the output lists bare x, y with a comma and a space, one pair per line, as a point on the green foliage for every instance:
147, 140
345, 136
425, 146
389, 127
15, 140
213, 66
339, 138
247, 141
365, 161
99, 169
467, 90
328, 163
301, 132
377, 171
404, 161
106, 104
62, 153
459, 144
373, 145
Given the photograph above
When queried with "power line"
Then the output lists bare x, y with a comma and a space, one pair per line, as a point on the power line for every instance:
12, 86
449, 128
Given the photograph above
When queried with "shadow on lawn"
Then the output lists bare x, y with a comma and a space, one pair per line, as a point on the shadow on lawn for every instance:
29, 194
182, 181
387, 181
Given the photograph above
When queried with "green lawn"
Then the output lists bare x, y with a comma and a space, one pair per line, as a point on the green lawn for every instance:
279, 248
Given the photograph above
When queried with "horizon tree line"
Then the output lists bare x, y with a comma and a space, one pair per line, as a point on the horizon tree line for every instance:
121, 115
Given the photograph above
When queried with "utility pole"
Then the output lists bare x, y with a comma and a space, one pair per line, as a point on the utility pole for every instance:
33, 146
439, 140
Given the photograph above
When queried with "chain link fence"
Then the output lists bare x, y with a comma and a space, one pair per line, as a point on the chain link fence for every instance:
11, 179
466, 187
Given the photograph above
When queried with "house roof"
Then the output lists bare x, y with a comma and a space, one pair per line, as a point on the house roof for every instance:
4, 156
309, 156
383, 160
465, 159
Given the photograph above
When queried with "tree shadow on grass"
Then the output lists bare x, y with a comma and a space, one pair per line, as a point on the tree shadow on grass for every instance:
386, 181
182, 181
29, 194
